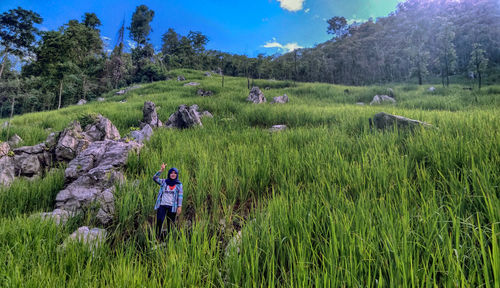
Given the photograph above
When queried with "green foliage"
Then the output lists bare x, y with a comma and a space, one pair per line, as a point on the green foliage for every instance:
140, 28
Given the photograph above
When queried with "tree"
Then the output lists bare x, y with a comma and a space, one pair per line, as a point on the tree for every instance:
337, 26
17, 32
91, 21
478, 61
140, 28
447, 53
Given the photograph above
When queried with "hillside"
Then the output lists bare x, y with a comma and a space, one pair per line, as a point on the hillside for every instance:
328, 202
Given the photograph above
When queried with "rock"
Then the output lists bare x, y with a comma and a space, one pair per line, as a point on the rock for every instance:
91, 237
123, 91
5, 124
123, 101
207, 74
51, 140
277, 128
150, 117
379, 99
96, 170
184, 117
390, 92
59, 216
267, 88
142, 135
234, 244
256, 96
100, 99
280, 99
360, 103
387, 121
82, 102
7, 171
15, 140
101, 129
431, 89
206, 114
181, 78
31, 160
69, 142
4, 149
204, 93
191, 84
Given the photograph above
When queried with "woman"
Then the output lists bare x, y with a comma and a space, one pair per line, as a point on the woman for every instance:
169, 200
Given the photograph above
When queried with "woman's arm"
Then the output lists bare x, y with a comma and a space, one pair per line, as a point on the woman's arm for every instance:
156, 177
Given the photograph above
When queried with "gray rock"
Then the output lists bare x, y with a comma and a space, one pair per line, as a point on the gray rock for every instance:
204, 93
4, 149
82, 102
431, 89
388, 121
207, 74
123, 101
184, 117
7, 170
59, 216
267, 88
101, 129
380, 99
93, 238
233, 246
280, 99
390, 92
31, 160
142, 135
123, 91
150, 116
256, 96
5, 124
277, 128
360, 103
51, 140
100, 99
181, 78
207, 114
69, 142
15, 140
191, 84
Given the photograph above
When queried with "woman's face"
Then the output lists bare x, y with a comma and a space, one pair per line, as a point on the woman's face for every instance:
173, 175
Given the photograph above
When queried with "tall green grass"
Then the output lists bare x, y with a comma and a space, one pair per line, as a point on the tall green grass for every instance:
327, 203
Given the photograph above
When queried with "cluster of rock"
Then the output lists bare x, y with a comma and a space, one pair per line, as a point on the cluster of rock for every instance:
124, 91
204, 93
256, 96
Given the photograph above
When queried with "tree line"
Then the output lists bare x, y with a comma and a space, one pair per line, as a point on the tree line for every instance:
420, 41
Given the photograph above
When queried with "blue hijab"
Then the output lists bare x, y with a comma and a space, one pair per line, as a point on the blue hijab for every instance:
175, 181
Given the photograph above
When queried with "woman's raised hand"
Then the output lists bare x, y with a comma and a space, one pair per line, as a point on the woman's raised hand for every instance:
163, 166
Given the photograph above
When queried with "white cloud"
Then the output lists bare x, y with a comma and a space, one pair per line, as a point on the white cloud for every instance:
307, 10
105, 38
292, 5
289, 47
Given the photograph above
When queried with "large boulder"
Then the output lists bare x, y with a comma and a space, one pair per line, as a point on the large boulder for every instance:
388, 121
93, 174
142, 135
256, 96
280, 99
150, 116
31, 160
101, 129
184, 117
380, 99
70, 142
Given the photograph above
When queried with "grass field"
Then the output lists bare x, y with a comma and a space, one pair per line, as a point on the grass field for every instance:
326, 203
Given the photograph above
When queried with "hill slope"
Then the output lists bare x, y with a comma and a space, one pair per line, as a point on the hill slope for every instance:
328, 202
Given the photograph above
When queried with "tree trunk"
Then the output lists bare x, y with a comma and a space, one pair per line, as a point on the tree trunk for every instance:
479, 78
60, 93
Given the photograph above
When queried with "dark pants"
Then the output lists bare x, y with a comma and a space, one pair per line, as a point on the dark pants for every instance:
160, 217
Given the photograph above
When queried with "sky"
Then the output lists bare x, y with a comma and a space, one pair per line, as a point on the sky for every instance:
246, 27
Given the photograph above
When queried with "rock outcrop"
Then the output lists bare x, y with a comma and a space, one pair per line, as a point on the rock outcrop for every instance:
256, 96
7, 170
15, 140
379, 99
142, 135
92, 237
280, 99
388, 121
31, 160
184, 117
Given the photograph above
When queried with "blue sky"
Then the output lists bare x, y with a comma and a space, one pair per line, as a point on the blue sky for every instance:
237, 26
